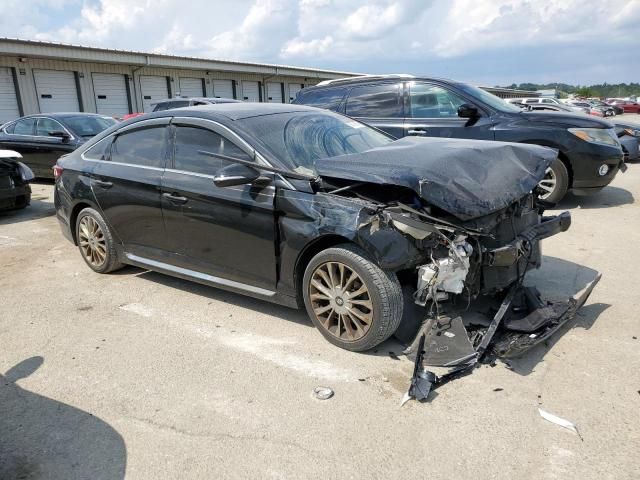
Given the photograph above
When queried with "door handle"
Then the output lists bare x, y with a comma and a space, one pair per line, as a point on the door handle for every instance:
175, 198
417, 131
103, 184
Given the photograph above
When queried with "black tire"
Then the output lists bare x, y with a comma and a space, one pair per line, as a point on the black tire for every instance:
111, 262
561, 175
383, 290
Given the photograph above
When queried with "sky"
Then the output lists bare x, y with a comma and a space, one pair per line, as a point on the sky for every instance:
486, 42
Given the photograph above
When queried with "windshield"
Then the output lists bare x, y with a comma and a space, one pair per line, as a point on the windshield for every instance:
89, 126
489, 98
297, 139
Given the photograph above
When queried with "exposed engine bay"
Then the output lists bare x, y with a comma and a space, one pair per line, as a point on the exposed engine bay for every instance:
463, 274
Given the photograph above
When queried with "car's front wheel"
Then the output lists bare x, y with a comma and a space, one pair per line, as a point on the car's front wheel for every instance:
553, 187
353, 302
95, 242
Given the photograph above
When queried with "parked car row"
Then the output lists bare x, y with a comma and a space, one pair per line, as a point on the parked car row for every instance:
589, 152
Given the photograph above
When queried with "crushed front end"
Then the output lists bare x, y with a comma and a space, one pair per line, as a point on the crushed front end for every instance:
471, 292
475, 222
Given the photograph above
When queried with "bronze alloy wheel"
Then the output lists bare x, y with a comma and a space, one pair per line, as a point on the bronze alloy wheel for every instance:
92, 241
341, 301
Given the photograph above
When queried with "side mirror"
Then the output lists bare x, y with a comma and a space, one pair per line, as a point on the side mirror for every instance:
235, 174
467, 111
60, 134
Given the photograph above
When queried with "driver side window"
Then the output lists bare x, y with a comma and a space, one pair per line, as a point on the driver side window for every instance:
432, 101
191, 140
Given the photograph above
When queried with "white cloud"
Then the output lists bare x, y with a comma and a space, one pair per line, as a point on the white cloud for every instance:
419, 36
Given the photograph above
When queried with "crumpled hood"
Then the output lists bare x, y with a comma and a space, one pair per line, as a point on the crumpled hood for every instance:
466, 178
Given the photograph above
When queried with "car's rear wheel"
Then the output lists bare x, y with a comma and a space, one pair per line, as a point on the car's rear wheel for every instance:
95, 242
353, 302
553, 187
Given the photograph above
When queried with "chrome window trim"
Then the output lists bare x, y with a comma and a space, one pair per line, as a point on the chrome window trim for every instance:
109, 162
110, 137
201, 276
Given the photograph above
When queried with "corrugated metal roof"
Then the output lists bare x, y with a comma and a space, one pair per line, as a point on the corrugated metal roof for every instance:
55, 50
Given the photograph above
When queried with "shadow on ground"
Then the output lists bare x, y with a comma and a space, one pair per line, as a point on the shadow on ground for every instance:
607, 197
41, 206
557, 280
219, 295
43, 438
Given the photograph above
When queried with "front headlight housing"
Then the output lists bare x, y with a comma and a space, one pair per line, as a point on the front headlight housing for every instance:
601, 136
634, 132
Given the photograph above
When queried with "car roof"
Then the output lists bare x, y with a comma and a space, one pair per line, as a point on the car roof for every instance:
65, 115
197, 99
364, 79
231, 111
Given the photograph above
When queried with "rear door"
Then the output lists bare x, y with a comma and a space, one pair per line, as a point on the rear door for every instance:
433, 112
379, 105
127, 186
225, 232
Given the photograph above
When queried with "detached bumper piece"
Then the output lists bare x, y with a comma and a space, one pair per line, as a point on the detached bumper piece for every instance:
456, 341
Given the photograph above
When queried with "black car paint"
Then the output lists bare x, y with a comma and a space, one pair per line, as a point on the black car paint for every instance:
15, 192
541, 128
40, 152
253, 239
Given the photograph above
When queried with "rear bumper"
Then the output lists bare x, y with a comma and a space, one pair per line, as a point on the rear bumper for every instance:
15, 197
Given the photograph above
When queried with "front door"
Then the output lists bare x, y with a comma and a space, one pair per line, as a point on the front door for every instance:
226, 232
126, 183
50, 147
433, 112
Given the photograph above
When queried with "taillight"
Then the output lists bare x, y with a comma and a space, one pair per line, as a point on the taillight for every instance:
57, 171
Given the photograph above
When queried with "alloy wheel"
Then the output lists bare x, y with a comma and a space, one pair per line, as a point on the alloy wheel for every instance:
548, 183
341, 301
92, 241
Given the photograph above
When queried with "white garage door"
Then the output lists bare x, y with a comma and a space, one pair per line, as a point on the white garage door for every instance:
250, 91
274, 92
110, 90
56, 91
153, 90
191, 87
223, 88
294, 89
8, 102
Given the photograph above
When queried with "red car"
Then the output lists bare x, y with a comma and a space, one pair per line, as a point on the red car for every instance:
627, 105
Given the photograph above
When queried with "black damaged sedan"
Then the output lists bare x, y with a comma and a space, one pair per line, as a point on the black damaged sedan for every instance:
308, 208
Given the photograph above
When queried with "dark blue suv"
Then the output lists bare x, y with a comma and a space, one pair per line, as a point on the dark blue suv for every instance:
589, 151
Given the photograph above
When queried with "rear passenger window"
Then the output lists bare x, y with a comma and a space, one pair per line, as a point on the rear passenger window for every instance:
100, 151
375, 101
190, 140
24, 126
145, 147
329, 99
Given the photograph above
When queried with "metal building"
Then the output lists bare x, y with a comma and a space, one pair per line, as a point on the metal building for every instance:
38, 77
